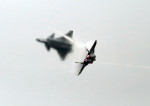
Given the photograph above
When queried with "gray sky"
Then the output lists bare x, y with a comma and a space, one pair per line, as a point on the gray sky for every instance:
31, 76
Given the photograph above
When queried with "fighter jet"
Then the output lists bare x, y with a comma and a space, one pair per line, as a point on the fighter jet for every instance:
61, 44
90, 57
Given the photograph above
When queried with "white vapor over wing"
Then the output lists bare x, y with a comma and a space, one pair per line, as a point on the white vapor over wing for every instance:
61, 34
79, 55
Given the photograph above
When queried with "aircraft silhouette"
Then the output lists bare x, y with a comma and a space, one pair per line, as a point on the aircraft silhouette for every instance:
90, 57
61, 44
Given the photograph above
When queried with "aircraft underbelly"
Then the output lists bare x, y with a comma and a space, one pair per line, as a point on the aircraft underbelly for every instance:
60, 45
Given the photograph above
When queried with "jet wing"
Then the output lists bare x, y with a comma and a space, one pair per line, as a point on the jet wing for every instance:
81, 69
63, 53
69, 34
92, 50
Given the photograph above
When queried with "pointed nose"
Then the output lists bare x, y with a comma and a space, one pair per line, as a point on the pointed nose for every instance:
38, 40
41, 40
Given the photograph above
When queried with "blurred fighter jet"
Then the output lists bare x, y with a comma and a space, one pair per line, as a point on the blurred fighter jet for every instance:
61, 44
89, 58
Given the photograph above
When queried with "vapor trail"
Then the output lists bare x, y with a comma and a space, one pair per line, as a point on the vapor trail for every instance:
127, 65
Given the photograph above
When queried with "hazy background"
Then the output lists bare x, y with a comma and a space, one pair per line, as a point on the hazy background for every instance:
31, 76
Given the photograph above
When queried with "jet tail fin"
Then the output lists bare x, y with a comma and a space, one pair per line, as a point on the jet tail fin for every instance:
51, 36
69, 34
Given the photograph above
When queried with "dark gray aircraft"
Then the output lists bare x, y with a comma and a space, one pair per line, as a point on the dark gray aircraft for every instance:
90, 57
61, 44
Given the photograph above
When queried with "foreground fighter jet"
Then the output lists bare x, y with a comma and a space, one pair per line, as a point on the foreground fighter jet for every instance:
89, 58
61, 44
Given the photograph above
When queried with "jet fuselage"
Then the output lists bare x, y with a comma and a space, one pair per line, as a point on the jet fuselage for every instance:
56, 43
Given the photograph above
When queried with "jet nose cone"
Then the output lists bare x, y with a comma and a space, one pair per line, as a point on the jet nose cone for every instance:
41, 40
38, 40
